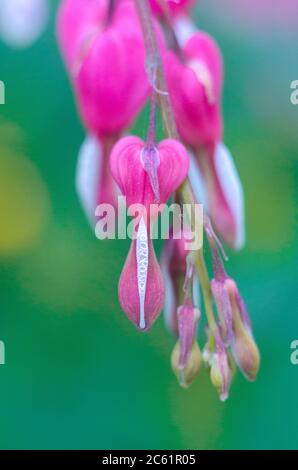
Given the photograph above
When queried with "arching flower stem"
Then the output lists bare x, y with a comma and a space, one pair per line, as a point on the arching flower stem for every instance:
157, 78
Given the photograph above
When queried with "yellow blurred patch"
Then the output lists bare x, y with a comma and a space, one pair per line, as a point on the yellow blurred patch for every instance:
24, 203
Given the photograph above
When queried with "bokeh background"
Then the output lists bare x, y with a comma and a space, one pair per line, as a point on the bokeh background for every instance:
77, 374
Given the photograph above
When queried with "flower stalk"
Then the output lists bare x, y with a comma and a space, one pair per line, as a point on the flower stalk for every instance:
185, 194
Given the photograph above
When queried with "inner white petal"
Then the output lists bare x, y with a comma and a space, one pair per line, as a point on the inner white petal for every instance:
88, 175
232, 188
142, 255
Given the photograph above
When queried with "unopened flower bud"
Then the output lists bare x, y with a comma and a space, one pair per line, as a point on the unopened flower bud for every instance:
222, 301
188, 317
216, 357
186, 357
187, 373
246, 352
220, 372
177, 277
244, 348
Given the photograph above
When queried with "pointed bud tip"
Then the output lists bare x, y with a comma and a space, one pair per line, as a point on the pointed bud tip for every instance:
247, 356
186, 374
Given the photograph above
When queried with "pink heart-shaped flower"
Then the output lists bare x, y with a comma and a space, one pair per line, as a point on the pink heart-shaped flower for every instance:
148, 174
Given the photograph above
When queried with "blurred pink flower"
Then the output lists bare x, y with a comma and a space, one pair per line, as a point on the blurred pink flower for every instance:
251, 16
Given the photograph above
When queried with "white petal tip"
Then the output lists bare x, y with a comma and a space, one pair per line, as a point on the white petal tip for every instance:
232, 190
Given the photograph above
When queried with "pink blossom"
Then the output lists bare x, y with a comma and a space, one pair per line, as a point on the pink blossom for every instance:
195, 83
112, 84
195, 88
106, 59
148, 174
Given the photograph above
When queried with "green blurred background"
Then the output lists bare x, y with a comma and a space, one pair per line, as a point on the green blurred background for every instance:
77, 374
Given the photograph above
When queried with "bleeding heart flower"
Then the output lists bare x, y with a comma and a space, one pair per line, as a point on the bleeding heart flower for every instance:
195, 89
148, 174
112, 84
197, 106
106, 56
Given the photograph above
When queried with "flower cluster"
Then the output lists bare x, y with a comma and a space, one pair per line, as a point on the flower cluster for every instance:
120, 54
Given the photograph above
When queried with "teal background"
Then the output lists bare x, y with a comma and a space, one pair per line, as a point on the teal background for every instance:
77, 374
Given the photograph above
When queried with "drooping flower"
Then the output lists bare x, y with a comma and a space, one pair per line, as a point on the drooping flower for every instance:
195, 84
195, 88
104, 53
23, 21
147, 175
110, 49
112, 84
